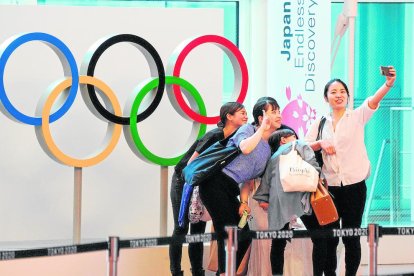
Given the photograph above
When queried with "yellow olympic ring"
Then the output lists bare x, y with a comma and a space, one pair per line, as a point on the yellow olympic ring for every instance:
113, 132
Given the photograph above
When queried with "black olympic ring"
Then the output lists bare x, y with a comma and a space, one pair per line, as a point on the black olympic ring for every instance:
156, 67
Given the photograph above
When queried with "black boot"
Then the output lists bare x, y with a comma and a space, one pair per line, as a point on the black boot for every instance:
198, 272
181, 273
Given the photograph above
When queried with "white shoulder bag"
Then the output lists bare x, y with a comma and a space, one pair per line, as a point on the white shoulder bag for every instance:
297, 175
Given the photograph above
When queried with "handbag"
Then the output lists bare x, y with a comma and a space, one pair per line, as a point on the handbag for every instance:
209, 162
297, 175
318, 153
213, 258
197, 211
323, 206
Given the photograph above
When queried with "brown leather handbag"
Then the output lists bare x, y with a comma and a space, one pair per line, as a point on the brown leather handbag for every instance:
323, 205
213, 258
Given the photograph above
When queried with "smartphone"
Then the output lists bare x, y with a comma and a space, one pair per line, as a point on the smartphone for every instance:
385, 70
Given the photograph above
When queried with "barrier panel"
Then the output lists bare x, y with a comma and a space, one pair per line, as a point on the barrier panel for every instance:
114, 244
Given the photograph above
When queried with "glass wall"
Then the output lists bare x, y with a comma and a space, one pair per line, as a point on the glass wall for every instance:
384, 36
230, 11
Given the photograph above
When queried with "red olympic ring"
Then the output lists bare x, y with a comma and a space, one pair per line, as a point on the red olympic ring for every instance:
241, 76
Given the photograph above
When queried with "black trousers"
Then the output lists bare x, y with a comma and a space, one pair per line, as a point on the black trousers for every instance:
219, 195
319, 252
323, 260
350, 202
195, 250
277, 254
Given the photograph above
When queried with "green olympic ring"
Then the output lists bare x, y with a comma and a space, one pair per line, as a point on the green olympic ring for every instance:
131, 132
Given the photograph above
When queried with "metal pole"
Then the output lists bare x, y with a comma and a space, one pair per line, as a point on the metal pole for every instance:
373, 236
77, 205
351, 62
350, 10
231, 249
113, 256
163, 200
374, 181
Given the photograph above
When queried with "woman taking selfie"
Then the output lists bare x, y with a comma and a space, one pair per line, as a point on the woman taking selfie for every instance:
346, 167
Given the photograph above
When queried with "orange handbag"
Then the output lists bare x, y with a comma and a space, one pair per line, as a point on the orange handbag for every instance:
323, 206
213, 258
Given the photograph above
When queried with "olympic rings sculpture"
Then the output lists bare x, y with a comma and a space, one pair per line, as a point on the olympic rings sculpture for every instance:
90, 86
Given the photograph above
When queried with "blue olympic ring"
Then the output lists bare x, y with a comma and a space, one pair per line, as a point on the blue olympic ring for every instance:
68, 61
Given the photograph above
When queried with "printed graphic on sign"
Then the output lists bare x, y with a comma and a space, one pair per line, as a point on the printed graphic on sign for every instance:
297, 113
299, 44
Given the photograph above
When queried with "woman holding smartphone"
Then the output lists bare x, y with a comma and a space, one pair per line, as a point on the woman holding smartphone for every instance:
346, 167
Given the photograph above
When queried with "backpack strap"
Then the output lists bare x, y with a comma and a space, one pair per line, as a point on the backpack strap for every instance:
320, 127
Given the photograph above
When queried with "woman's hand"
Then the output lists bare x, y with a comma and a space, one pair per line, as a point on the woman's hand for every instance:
249, 144
384, 89
244, 206
327, 147
390, 78
265, 124
264, 205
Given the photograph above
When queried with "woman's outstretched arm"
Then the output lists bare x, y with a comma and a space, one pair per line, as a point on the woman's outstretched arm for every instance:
383, 90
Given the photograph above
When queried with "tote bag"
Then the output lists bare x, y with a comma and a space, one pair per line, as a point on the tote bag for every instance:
297, 175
